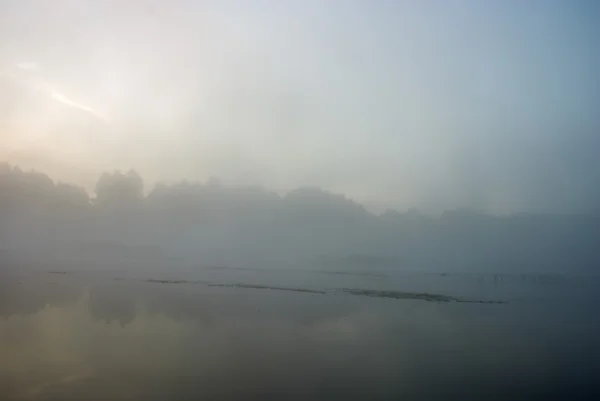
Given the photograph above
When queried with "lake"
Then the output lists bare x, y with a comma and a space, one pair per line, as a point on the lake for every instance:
235, 334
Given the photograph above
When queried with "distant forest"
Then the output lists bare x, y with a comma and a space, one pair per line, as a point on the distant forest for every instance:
206, 224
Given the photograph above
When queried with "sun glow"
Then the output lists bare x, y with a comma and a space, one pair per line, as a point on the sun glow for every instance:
64, 99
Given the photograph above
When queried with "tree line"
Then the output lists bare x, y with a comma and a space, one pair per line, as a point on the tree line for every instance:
212, 223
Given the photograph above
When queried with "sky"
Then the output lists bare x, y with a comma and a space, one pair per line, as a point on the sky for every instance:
493, 105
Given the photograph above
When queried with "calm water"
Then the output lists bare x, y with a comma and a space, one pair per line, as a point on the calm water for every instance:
224, 335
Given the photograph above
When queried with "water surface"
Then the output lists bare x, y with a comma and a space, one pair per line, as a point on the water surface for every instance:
230, 334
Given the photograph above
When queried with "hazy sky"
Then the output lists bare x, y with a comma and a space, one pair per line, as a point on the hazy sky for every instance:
434, 104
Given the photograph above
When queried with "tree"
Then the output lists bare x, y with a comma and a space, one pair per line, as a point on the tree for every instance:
120, 190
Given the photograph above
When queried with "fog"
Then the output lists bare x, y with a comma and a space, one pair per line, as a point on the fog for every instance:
395, 104
198, 289
308, 199
208, 224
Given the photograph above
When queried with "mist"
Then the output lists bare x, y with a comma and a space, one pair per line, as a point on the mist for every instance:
210, 224
315, 199
397, 105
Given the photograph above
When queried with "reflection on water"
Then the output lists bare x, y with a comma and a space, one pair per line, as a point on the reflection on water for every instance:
77, 337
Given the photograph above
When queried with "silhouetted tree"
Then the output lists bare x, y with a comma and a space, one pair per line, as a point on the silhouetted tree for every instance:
119, 190
71, 195
200, 219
